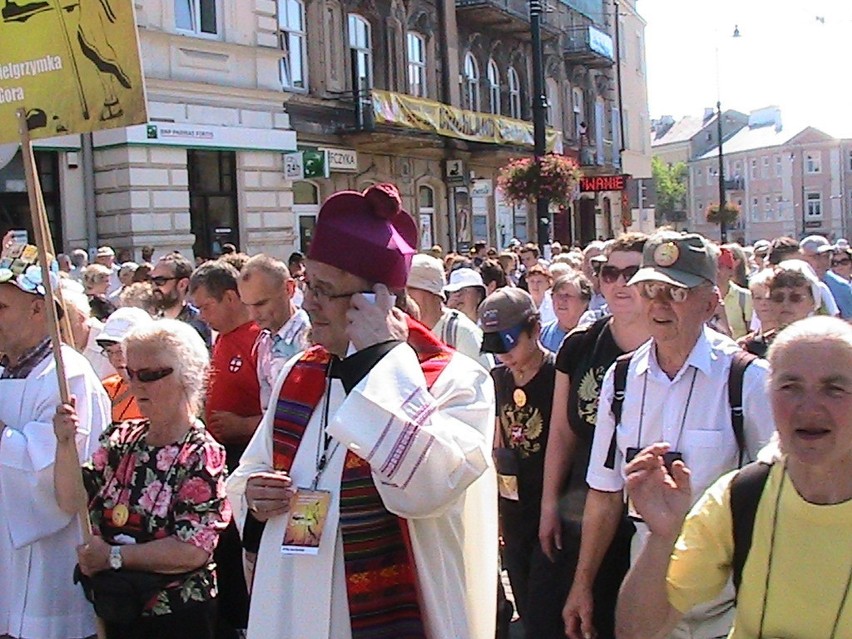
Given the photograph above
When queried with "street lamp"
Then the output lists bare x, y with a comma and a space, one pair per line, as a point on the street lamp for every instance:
723, 225
539, 108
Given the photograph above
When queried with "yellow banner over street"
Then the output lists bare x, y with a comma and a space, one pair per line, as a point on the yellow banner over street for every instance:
427, 115
73, 65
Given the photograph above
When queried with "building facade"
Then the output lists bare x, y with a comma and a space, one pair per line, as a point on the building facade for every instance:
260, 109
784, 182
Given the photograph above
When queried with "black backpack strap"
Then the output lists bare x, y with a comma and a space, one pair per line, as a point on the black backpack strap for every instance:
739, 363
619, 385
746, 489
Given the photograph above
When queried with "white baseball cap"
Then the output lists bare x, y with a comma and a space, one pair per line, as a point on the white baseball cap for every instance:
463, 278
120, 323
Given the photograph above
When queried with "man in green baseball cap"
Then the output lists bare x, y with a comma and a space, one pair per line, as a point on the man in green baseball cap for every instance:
674, 389
685, 260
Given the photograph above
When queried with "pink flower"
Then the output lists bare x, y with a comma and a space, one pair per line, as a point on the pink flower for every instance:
195, 491
100, 458
166, 457
214, 458
160, 492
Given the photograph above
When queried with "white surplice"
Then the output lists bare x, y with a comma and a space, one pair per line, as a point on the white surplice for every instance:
430, 454
38, 599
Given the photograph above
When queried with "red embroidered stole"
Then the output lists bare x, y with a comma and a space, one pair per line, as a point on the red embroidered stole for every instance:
381, 579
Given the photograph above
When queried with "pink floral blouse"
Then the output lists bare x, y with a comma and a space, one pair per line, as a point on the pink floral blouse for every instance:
147, 492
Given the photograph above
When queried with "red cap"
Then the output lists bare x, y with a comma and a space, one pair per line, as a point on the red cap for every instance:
366, 234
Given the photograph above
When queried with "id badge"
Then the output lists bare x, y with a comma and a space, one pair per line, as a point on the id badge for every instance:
508, 486
308, 514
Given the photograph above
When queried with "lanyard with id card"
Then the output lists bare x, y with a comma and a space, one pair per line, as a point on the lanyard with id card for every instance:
309, 506
670, 457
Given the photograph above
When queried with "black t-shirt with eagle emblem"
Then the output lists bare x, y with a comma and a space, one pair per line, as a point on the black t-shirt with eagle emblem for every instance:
523, 417
585, 355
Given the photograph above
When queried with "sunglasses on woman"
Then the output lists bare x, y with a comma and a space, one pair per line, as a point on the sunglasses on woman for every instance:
146, 375
780, 297
610, 274
844, 261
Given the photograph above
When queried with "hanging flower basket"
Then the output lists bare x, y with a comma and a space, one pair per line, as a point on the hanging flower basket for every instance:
730, 213
552, 177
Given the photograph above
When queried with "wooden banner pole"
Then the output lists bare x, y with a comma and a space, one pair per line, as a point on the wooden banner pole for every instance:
39, 223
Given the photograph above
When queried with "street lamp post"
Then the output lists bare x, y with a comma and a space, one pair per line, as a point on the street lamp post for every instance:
539, 108
723, 226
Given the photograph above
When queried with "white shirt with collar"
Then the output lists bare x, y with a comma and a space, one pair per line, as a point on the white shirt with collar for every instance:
693, 414
705, 436
273, 351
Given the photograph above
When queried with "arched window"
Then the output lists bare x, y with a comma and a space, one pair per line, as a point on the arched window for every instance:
578, 100
305, 193
426, 210
514, 94
494, 87
416, 49
291, 39
360, 41
471, 82
554, 113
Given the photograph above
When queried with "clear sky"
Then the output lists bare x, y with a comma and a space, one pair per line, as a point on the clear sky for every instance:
784, 56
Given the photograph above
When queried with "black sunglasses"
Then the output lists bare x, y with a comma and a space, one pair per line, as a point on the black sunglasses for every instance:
841, 262
610, 274
146, 375
160, 280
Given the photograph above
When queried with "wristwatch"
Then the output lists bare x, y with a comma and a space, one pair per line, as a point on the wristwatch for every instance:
115, 560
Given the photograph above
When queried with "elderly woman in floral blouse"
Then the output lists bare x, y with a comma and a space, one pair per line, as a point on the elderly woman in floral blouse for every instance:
155, 487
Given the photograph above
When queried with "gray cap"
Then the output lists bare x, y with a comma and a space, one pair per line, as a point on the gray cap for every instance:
680, 259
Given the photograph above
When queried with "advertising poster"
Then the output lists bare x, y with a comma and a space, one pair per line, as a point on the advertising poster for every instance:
72, 65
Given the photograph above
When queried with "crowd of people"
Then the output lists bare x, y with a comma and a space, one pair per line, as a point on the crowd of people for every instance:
651, 435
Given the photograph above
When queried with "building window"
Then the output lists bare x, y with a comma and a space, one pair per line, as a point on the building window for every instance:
699, 210
755, 209
553, 110
360, 42
471, 82
767, 206
698, 174
814, 205
493, 87
813, 162
416, 45
515, 94
778, 166
738, 169
426, 210
291, 39
849, 165
752, 172
711, 173
765, 172
196, 16
578, 102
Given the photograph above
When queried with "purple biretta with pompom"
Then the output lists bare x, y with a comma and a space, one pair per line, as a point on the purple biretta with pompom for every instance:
367, 234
